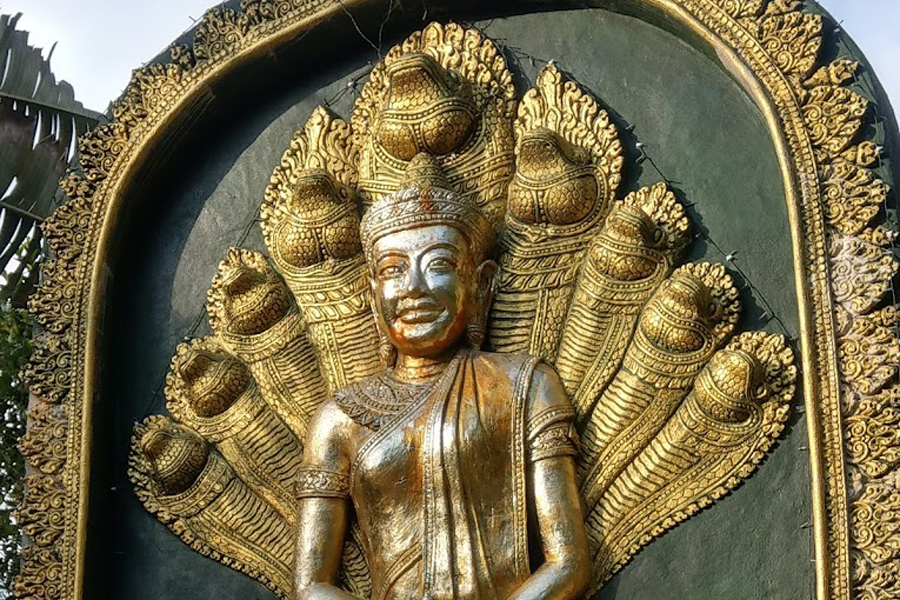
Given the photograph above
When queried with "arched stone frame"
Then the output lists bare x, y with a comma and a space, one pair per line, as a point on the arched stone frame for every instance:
771, 48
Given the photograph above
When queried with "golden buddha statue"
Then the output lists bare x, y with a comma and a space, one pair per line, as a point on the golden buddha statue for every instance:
442, 455
346, 365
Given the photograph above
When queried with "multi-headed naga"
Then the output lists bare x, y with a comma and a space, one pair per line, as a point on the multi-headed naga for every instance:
469, 367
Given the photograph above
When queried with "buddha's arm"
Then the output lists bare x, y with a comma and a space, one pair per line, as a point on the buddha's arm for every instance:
553, 492
566, 571
323, 507
320, 537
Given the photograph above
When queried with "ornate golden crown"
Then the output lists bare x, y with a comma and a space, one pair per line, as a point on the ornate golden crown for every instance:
427, 198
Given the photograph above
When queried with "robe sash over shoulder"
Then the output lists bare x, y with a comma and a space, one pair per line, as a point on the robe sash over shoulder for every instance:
460, 452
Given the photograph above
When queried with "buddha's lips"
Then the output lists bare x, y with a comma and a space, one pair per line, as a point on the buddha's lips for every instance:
423, 312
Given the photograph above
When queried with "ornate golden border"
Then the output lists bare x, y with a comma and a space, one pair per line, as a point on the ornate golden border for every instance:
842, 270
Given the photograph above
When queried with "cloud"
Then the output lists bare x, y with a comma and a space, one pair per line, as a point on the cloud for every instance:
99, 42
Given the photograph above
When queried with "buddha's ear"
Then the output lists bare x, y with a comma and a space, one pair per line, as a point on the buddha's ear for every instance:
486, 276
486, 280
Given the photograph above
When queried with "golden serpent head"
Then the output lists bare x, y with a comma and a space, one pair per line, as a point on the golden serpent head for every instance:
176, 457
554, 181
319, 223
626, 247
211, 381
428, 109
728, 385
680, 316
247, 296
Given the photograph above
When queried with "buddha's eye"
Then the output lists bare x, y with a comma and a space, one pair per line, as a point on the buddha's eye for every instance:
390, 271
441, 265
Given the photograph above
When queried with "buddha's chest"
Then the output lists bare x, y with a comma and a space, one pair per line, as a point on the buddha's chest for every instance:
464, 433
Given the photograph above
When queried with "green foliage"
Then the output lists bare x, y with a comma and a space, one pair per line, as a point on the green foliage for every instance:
15, 348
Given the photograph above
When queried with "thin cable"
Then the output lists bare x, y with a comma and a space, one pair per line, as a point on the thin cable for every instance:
197, 323
358, 30
387, 18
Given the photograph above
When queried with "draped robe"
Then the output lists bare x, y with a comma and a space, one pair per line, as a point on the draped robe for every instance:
439, 487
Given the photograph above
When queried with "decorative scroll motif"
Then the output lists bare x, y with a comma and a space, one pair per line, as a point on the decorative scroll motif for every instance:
820, 118
862, 268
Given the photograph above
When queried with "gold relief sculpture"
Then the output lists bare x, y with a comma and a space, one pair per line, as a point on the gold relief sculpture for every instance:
634, 251
818, 120
394, 305
686, 320
723, 428
193, 489
450, 94
311, 227
214, 394
568, 169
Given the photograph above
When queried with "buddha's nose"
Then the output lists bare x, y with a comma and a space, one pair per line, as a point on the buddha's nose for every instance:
416, 286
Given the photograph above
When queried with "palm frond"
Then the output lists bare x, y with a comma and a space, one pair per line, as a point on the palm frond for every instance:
39, 123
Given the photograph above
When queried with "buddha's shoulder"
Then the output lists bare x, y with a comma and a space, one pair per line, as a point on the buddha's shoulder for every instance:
544, 387
372, 401
515, 365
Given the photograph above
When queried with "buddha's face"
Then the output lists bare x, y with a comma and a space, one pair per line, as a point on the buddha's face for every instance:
427, 288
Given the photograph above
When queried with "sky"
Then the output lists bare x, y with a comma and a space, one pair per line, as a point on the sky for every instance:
99, 42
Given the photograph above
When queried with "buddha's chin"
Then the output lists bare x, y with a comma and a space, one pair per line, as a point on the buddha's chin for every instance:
425, 339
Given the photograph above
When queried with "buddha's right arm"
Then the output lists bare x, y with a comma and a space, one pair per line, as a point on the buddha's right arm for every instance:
323, 506
321, 528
